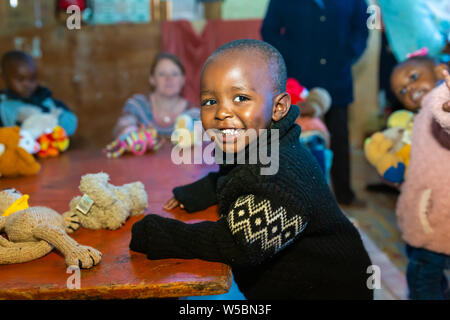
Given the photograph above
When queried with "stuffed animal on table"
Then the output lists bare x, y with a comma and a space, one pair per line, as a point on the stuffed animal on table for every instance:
53, 142
188, 129
389, 151
43, 127
14, 160
105, 206
35, 231
138, 143
28, 143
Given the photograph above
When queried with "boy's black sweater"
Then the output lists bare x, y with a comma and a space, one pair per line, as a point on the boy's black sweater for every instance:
283, 235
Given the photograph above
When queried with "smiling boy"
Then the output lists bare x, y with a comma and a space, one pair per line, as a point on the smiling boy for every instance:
283, 235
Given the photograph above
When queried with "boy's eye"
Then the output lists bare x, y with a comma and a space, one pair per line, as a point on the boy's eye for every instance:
209, 102
240, 99
414, 76
403, 92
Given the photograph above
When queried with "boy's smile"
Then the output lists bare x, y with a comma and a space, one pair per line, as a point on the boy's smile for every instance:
237, 98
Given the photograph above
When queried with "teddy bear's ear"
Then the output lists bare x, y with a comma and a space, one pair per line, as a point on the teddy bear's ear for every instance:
95, 186
94, 178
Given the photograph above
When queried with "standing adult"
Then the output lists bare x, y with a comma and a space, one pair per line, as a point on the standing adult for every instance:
320, 41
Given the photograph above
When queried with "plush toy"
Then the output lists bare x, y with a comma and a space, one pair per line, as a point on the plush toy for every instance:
53, 143
37, 122
105, 206
137, 143
34, 231
188, 129
14, 160
388, 151
28, 143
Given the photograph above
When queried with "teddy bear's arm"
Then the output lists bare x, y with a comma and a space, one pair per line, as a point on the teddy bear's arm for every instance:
75, 254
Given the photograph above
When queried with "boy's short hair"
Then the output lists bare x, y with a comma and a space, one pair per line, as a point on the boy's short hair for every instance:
272, 56
14, 55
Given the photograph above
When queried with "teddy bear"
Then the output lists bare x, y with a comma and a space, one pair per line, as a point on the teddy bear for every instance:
105, 206
35, 231
389, 151
14, 160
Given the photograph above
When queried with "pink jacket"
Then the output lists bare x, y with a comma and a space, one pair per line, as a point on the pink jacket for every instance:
423, 208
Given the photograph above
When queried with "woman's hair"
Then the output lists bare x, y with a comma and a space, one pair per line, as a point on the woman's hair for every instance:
165, 55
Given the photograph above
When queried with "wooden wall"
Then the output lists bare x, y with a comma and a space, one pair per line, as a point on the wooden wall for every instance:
93, 70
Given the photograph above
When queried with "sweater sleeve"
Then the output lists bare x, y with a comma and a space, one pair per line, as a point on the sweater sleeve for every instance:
198, 195
253, 231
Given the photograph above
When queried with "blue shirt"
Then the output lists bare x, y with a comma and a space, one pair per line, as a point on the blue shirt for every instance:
11, 104
320, 40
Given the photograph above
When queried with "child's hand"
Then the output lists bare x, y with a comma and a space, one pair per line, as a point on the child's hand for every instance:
446, 105
172, 204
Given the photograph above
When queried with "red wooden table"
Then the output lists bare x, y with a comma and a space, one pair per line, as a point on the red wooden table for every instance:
122, 274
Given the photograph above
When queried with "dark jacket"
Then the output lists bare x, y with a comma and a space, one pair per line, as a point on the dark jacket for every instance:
283, 235
319, 40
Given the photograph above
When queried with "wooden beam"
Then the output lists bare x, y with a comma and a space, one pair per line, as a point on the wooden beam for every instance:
213, 10
166, 10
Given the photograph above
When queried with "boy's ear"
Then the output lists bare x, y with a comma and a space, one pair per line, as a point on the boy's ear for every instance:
439, 69
281, 106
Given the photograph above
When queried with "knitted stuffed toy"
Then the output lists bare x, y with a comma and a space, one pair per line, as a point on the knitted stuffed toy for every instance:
105, 206
137, 143
14, 160
34, 231
389, 151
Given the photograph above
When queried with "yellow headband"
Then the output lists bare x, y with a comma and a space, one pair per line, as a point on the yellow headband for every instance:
18, 205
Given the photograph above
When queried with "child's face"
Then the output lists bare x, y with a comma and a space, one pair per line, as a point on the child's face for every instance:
21, 78
236, 96
412, 81
168, 79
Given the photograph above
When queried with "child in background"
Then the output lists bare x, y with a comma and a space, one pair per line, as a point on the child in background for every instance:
423, 208
283, 234
24, 96
411, 81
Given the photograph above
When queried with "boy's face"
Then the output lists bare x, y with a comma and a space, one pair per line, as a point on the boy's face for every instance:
412, 81
237, 99
21, 78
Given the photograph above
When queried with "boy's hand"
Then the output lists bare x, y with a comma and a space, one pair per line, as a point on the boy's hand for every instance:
172, 204
446, 105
